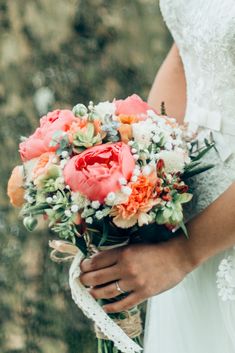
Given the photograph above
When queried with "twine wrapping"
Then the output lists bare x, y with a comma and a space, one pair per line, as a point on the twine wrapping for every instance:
131, 325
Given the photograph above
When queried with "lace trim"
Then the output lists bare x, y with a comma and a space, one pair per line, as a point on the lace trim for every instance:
94, 311
226, 278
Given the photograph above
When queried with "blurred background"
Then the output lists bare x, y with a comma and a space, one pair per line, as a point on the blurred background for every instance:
54, 54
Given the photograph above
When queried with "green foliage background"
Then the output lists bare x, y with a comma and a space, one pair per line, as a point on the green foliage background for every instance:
55, 53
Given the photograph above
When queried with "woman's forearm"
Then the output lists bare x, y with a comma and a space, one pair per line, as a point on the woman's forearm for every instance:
170, 87
210, 232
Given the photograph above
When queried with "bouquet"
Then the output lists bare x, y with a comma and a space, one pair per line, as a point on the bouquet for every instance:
103, 176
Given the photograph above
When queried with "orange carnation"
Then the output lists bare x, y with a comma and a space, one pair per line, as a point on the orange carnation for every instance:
15, 188
135, 209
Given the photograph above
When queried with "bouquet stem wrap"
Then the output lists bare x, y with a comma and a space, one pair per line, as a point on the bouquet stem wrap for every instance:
111, 336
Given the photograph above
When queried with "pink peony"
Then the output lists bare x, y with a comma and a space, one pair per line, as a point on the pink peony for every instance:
97, 171
39, 142
132, 105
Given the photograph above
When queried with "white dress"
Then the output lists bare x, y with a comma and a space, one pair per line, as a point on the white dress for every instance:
198, 315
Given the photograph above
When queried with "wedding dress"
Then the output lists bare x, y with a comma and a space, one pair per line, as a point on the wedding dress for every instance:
198, 315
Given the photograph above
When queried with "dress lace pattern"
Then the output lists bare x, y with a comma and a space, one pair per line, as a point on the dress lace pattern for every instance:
204, 32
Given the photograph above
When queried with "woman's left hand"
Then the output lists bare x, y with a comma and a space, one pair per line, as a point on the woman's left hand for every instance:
142, 270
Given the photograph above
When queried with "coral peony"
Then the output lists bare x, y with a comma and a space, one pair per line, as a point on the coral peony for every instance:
97, 171
132, 105
39, 142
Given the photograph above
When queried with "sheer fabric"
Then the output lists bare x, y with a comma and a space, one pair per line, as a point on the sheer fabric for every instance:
198, 316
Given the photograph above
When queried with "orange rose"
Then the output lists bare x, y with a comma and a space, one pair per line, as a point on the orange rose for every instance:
15, 188
44, 161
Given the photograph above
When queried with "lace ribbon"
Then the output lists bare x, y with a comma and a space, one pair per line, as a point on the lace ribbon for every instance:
87, 303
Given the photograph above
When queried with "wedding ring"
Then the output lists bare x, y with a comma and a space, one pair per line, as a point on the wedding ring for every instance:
119, 289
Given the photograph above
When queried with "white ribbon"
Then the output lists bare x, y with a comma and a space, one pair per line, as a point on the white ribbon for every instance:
88, 304
212, 120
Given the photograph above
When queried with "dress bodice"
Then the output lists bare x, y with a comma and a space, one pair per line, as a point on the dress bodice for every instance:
204, 31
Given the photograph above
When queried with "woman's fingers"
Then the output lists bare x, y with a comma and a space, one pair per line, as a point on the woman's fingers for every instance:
109, 291
100, 260
100, 277
122, 305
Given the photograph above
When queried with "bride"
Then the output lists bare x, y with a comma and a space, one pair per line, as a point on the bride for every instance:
193, 280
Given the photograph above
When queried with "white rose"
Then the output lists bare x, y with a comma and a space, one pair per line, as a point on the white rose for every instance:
174, 160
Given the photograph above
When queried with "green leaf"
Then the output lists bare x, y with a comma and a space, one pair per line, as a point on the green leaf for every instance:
183, 227
30, 223
192, 165
184, 198
160, 219
105, 232
203, 152
197, 171
90, 131
167, 213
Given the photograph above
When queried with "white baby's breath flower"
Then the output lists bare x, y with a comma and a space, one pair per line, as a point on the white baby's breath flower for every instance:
134, 178
89, 220
54, 160
74, 208
105, 108
68, 213
123, 181
65, 154
49, 200
174, 161
111, 196
99, 215
168, 146
147, 170
126, 190
95, 204
30, 199
156, 138
133, 150
91, 105
142, 133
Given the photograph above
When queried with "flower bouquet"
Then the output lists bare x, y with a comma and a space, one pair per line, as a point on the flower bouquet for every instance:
103, 176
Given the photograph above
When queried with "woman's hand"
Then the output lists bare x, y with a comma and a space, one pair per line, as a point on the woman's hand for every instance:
142, 270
